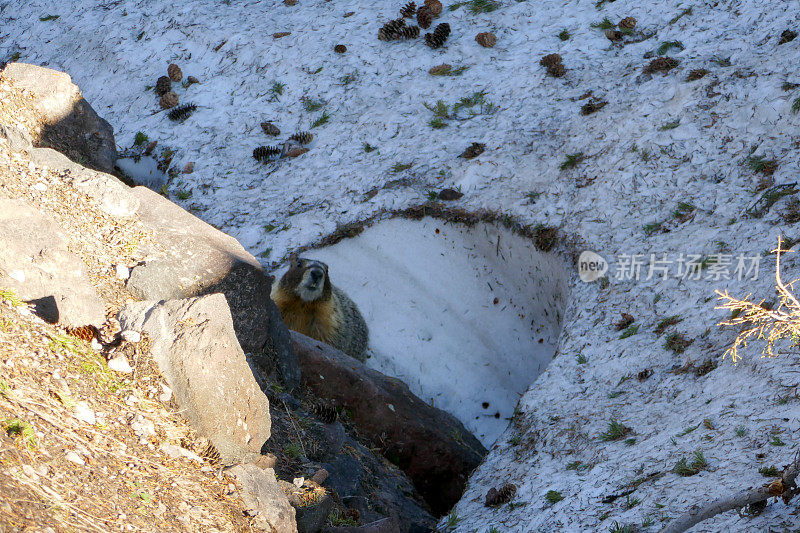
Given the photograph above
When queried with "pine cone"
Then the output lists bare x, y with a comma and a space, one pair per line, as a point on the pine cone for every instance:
408, 10
449, 195
86, 333
340, 49
191, 80
265, 153
486, 39
179, 114
550, 59
435, 6
473, 151
174, 72
270, 128
439, 35
424, 17
500, 496
325, 411
391, 30
628, 23
303, 137
168, 100
163, 85
410, 32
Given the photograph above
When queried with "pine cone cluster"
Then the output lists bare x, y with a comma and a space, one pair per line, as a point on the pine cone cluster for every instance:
439, 35
392, 30
473, 151
410, 32
504, 494
303, 137
424, 17
409, 10
265, 153
86, 333
553, 64
163, 85
174, 72
628, 23
435, 6
270, 128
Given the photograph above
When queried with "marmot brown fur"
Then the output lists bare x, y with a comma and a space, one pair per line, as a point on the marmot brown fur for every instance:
312, 305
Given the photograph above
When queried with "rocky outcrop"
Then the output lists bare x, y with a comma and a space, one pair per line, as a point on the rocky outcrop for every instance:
199, 259
69, 124
36, 263
264, 500
195, 347
431, 446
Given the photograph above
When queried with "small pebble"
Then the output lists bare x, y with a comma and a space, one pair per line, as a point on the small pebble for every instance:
123, 272
120, 364
74, 458
131, 336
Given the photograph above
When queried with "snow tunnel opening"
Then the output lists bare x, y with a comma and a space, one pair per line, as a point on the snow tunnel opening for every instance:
467, 316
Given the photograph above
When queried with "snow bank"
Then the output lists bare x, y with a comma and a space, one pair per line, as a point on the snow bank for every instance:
467, 316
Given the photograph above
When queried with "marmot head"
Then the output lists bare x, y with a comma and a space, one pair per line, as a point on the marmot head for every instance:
306, 278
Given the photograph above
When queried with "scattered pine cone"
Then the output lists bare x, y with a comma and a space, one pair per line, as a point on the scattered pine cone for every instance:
439, 35
410, 32
435, 6
210, 454
168, 100
179, 114
696, 74
661, 64
628, 23
163, 85
265, 153
303, 137
787, 36
595, 104
409, 10
86, 333
486, 39
448, 195
424, 17
613, 35
473, 151
191, 80
340, 49
270, 128
550, 60
174, 72
391, 31
325, 411
504, 494
644, 374
627, 320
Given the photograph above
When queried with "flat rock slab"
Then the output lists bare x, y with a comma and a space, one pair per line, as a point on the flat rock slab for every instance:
36, 264
264, 500
195, 347
70, 125
199, 259
431, 446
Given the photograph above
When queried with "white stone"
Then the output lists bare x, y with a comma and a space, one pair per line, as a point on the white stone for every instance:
120, 364
131, 336
123, 272
84, 413
74, 458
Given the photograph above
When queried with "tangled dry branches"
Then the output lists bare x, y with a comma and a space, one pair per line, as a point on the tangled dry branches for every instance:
759, 321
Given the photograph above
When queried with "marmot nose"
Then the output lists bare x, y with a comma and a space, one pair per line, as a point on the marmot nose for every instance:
316, 275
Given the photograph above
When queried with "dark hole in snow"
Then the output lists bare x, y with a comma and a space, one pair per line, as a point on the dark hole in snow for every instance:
427, 292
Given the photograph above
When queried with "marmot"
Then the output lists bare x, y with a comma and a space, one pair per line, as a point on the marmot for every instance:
312, 305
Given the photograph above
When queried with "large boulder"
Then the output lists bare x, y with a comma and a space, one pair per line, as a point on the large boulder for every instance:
36, 264
264, 500
199, 259
431, 446
69, 124
195, 347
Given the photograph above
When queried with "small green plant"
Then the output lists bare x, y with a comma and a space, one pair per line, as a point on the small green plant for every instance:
677, 342
630, 503
14, 57
582, 359
664, 323
478, 99
687, 430
452, 521
740, 431
578, 466
652, 227
666, 46
337, 518
439, 109
614, 394
348, 78
19, 429
493, 529
293, 450
10, 297
564, 35
532, 196
616, 527
616, 431
679, 16
164, 191
708, 424
572, 161
369, 148
648, 521
553, 496
437, 123
311, 105
140, 139
758, 163
477, 6
433, 196
769, 471
49, 17
604, 24
515, 440
776, 441
400, 167
66, 343
685, 468
796, 105
633, 329
276, 90
323, 119
670, 125
630, 441
184, 194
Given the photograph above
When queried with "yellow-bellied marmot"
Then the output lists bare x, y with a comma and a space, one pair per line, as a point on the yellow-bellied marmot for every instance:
313, 306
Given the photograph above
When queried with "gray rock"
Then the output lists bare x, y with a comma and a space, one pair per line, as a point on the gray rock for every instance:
195, 348
37, 265
199, 259
71, 126
264, 499
311, 518
18, 140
